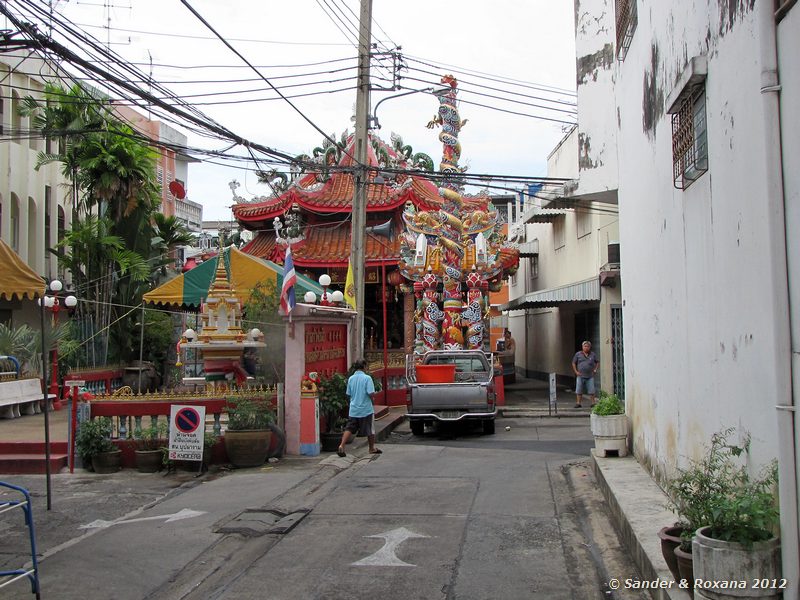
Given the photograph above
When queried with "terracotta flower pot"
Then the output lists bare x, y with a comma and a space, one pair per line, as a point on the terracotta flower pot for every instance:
107, 462
148, 461
686, 568
248, 448
670, 539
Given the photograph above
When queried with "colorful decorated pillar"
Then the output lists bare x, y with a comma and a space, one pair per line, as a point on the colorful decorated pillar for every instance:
462, 234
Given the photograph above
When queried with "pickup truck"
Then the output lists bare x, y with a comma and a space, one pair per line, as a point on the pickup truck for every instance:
470, 396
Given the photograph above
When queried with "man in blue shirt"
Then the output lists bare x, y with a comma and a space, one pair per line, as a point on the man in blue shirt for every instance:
360, 390
585, 364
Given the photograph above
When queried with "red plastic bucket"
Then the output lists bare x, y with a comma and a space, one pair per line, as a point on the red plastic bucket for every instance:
436, 373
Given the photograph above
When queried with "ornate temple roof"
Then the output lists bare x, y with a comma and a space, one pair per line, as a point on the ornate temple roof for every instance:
326, 246
326, 183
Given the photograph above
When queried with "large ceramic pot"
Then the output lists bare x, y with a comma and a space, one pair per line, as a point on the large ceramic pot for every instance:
685, 568
329, 441
248, 448
107, 462
148, 461
717, 561
670, 539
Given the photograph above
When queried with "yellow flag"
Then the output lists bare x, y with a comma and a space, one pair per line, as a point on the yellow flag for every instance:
350, 288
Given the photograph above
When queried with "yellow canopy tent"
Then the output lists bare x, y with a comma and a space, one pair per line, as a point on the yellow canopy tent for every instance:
17, 280
244, 273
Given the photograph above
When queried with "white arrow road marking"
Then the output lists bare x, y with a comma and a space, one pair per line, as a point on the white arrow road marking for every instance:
386, 557
185, 513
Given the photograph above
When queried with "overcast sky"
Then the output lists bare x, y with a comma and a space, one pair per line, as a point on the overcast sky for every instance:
529, 41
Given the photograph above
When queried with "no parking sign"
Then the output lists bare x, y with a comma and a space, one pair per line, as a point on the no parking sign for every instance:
186, 428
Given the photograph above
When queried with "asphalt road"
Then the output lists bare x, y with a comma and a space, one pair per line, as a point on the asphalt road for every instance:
454, 515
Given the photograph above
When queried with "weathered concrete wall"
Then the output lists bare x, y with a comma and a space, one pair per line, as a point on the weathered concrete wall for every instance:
696, 294
595, 62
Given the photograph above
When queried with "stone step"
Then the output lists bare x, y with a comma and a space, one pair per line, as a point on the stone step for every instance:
31, 464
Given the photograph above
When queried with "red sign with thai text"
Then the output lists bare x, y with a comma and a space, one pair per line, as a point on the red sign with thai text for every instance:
326, 349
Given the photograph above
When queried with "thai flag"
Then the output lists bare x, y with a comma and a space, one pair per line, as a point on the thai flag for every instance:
289, 279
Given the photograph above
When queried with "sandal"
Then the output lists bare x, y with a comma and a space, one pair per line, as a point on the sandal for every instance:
376, 451
340, 452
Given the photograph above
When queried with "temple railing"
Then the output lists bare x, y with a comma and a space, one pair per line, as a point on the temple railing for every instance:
127, 410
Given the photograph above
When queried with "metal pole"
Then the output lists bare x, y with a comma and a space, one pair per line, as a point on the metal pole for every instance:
359, 214
141, 352
385, 341
46, 409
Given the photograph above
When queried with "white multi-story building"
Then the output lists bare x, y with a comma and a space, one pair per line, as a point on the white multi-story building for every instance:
567, 288
686, 114
35, 206
189, 213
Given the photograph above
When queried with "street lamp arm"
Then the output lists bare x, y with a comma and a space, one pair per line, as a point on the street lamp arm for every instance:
382, 100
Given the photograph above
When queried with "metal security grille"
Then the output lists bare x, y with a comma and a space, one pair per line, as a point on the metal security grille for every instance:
626, 25
617, 358
689, 141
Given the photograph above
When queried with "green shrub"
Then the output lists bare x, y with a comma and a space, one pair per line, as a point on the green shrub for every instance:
247, 413
333, 400
153, 437
608, 404
717, 492
94, 437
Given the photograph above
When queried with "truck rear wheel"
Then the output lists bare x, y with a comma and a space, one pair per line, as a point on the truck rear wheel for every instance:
488, 427
417, 426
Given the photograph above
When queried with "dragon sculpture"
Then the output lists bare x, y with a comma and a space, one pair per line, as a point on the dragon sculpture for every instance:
439, 245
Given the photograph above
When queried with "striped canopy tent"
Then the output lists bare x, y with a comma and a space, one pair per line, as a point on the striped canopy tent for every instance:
245, 272
17, 280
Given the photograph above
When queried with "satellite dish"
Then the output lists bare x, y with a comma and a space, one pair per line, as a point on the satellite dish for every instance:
176, 189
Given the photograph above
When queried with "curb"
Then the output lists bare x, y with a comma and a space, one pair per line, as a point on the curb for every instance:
509, 412
637, 510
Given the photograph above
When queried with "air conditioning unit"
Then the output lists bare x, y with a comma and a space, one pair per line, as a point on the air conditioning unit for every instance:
613, 253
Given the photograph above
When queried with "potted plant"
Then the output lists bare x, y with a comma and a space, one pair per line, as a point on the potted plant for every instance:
727, 517
149, 442
737, 539
210, 440
247, 435
333, 403
95, 448
609, 425
689, 498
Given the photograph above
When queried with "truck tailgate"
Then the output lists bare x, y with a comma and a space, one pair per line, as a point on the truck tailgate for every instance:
432, 396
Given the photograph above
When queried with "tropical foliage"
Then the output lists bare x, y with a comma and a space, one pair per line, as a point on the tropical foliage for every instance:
119, 244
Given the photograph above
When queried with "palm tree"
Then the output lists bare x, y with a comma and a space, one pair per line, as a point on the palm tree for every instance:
99, 261
70, 116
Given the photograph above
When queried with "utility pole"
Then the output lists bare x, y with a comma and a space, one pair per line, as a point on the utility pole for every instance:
360, 175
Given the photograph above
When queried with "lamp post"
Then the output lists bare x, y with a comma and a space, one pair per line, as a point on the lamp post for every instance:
325, 281
54, 305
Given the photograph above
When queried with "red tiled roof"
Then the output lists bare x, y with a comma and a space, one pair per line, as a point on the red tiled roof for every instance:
336, 195
325, 246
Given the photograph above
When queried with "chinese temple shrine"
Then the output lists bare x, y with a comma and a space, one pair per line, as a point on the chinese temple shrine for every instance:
432, 252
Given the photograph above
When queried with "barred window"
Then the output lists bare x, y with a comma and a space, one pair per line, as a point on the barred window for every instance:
689, 139
626, 20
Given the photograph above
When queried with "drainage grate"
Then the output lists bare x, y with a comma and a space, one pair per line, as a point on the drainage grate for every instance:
258, 521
